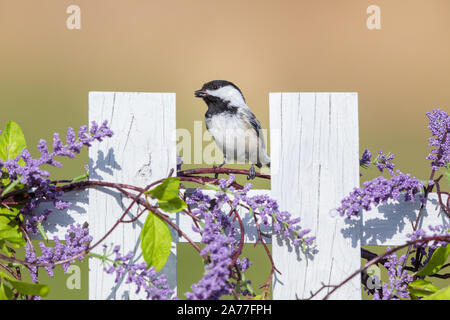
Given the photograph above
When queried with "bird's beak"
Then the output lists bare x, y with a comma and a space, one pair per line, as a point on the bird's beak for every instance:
200, 93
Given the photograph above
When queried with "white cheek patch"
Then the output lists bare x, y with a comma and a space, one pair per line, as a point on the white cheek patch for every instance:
229, 93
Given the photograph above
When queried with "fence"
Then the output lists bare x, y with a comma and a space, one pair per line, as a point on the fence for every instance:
314, 150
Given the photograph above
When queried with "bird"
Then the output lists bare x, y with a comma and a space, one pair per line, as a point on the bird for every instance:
232, 124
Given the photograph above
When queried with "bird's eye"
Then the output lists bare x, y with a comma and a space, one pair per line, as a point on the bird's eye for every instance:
216, 87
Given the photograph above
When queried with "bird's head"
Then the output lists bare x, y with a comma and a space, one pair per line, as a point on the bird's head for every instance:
221, 91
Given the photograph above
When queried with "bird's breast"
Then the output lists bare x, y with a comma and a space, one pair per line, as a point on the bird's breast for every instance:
224, 121
233, 135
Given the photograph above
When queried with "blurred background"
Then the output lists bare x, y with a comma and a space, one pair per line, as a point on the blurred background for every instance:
400, 72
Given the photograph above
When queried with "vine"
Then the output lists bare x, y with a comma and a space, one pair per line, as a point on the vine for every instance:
215, 216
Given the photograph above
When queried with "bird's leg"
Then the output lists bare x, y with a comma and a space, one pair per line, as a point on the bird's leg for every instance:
215, 167
251, 173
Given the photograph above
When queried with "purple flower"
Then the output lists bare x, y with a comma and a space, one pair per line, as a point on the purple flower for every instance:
379, 190
36, 179
220, 243
427, 249
383, 161
220, 235
77, 240
268, 211
399, 279
156, 286
365, 159
226, 183
439, 124
243, 264
179, 162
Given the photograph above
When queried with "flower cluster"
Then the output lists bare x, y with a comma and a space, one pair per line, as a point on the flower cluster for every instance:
243, 264
366, 159
77, 240
439, 230
156, 286
428, 249
397, 287
268, 211
27, 170
399, 279
379, 190
218, 235
439, 124
282, 221
382, 161
244, 286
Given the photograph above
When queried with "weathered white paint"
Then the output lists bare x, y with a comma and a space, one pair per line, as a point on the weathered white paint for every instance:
314, 143
390, 223
59, 220
141, 151
315, 140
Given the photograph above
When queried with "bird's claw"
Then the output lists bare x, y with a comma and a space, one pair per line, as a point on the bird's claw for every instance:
251, 173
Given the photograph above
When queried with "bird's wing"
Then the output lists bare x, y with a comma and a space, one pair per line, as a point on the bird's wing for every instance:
250, 118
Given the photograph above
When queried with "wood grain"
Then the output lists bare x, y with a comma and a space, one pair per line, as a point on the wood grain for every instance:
315, 146
141, 151
390, 223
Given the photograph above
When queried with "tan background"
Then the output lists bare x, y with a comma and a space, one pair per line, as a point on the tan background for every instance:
400, 71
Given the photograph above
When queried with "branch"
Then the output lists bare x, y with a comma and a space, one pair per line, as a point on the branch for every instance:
191, 172
121, 188
378, 259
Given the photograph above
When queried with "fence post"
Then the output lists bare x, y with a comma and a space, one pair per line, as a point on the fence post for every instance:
141, 151
315, 149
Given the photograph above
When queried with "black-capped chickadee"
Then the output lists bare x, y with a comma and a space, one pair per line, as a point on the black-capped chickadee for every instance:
233, 125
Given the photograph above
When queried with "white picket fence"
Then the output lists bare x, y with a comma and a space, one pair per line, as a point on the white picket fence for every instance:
315, 151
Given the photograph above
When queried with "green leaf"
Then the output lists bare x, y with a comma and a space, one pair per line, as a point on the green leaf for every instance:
422, 288
156, 241
28, 288
12, 141
9, 227
42, 231
82, 177
436, 262
212, 187
167, 195
5, 292
4, 249
172, 205
167, 190
443, 294
11, 186
8, 214
32, 289
4, 181
13, 235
